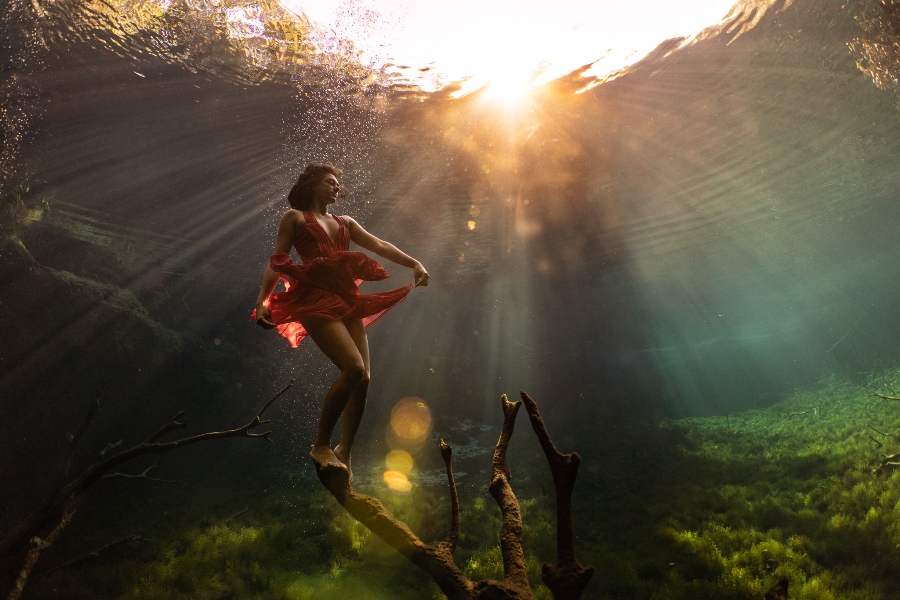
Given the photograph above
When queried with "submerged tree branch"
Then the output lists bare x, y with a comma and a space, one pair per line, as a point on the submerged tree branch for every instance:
790, 416
516, 575
38, 545
890, 461
566, 577
93, 554
435, 560
453, 537
141, 475
55, 506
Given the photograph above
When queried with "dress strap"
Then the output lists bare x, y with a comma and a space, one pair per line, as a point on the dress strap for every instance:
343, 234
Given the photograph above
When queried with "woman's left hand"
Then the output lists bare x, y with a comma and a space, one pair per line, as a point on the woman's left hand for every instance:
420, 275
263, 318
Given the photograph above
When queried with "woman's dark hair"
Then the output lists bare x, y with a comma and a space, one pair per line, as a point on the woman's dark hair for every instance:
300, 196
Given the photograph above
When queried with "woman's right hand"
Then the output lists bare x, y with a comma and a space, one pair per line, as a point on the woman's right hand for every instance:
263, 318
420, 275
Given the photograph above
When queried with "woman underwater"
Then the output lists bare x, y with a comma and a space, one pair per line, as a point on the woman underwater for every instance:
322, 298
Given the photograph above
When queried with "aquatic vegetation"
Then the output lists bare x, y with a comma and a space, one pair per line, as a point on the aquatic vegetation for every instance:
754, 496
720, 510
57, 508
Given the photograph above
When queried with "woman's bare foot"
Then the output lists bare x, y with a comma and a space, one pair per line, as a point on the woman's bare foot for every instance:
325, 457
344, 457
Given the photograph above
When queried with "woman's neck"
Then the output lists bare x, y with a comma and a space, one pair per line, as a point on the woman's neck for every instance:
320, 209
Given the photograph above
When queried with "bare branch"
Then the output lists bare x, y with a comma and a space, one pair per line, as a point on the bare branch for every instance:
141, 475
38, 545
274, 398
815, 409
452, 537
75, 438
148, 447
888, 462
880, 445
885, 397
94, 554
173, 424
55, 504
110, 446
236, 515
511, 529
877, 431
565, 577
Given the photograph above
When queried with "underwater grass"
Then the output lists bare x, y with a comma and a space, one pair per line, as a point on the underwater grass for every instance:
713, 508
720, 507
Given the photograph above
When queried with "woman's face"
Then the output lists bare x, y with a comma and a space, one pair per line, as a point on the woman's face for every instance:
327, 190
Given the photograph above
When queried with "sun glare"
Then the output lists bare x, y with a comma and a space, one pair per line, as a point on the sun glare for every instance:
502, 45
508, 88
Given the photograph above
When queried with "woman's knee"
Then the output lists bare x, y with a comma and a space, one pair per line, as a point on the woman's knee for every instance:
364, 380
356, 372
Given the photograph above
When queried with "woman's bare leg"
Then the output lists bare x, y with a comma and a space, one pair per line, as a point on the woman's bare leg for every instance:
339, 346
353, 412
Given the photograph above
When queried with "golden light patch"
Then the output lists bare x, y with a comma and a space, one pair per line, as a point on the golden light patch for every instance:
411, 419
398, 460
397, 481
471, 225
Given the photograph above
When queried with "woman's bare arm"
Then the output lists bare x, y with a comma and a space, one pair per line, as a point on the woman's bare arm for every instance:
286, 232
386, 250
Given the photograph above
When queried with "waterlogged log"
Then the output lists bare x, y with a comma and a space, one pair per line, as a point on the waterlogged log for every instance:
565, 577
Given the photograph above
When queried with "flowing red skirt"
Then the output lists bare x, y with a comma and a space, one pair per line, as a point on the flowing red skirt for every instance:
327, 287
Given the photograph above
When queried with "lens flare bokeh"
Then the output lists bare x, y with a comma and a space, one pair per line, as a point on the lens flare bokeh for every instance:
397, 481
410, 422
399, 466
398, 460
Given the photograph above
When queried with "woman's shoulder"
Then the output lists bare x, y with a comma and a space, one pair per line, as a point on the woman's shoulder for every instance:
293, 219
292, 215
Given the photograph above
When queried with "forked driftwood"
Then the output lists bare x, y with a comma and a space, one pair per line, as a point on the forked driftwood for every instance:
55, 507
888, 461
565, 577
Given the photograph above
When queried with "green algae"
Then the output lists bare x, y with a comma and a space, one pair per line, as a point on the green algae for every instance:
716, 507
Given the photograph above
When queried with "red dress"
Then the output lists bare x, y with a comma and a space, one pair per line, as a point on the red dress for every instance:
325, 285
